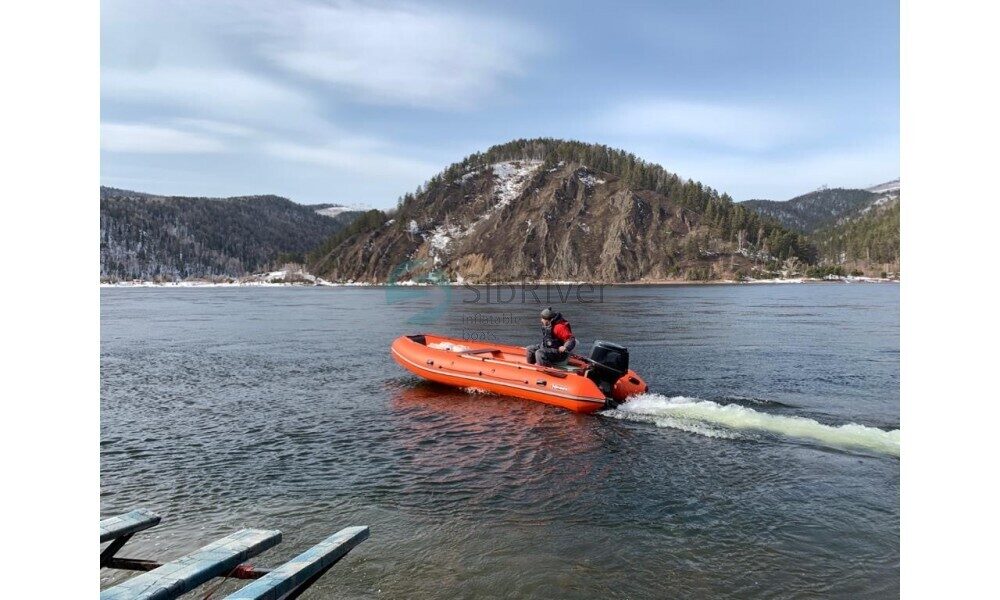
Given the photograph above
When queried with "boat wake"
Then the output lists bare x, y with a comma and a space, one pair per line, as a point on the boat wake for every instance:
711, 419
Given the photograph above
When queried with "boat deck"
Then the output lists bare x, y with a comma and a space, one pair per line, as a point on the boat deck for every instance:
499, 353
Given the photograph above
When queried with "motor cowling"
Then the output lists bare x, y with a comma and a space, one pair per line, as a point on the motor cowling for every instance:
608, 364
609, 370
610, 355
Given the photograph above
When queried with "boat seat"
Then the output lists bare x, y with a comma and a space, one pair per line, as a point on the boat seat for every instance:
491, 351
563, 366
180, 576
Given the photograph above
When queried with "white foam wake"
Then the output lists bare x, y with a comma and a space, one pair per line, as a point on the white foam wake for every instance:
717, 420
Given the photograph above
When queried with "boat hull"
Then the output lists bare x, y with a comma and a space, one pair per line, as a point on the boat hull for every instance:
503, 369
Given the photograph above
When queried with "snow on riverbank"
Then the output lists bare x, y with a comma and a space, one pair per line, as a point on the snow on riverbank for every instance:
827, 279
213, 284
295, 275
272, 279
275, 280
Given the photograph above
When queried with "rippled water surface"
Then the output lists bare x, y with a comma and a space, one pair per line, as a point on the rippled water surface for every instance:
765, 462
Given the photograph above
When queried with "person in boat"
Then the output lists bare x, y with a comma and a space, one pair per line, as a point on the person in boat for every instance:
557, 341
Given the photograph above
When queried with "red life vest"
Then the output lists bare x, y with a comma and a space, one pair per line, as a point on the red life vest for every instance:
557, 333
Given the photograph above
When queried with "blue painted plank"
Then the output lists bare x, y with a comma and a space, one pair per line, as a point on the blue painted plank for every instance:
184, 574
130, 522
287, 577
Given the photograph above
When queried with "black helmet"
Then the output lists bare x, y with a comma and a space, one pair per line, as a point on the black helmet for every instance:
548, 313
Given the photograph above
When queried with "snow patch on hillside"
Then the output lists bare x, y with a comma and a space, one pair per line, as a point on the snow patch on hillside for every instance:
332, 211
511, 178
880, 201
337, 209
465, 178
888, 186
441, 238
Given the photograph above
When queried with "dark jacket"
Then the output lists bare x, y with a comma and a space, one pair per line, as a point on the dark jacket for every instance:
558, 333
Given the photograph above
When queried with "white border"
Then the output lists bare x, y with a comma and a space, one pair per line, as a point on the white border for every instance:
949, 305
51, 351
949, 300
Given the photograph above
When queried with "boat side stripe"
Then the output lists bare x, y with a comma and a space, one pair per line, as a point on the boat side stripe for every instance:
461, 375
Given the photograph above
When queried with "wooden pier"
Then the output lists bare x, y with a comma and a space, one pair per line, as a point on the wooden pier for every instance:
223, 558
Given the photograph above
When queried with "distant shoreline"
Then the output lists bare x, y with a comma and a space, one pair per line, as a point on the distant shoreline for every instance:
324, 283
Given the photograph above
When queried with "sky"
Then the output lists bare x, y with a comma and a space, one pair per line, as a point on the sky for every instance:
360, 102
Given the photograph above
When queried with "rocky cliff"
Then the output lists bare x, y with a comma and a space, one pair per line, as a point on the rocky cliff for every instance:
546, 210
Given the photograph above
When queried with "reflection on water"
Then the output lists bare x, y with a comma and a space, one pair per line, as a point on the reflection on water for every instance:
467, 446
226, 408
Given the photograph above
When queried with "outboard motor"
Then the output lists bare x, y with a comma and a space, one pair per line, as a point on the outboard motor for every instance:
609, 362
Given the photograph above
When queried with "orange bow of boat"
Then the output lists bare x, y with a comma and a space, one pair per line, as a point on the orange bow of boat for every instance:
581, 385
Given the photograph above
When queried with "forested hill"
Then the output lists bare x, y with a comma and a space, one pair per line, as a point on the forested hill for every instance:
816, 210
868, 242
853, 230
548, 209
144, 236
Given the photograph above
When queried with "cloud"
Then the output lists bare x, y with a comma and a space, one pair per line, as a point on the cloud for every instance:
745, 176
357, 156
403, 55
153, 139
273, 53
217, 127
727, 125
251, 81
211, 90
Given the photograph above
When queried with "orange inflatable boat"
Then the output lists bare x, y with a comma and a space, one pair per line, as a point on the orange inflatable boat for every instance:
582, 385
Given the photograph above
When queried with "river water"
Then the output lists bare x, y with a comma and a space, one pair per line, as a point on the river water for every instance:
764, 463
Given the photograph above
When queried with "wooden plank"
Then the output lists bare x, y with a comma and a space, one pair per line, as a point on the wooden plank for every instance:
184, 574
304, 567
127, 524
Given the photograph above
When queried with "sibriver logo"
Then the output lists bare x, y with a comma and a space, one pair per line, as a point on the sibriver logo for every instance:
427, 290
